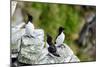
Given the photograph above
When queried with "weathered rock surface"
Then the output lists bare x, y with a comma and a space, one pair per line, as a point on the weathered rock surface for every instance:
33, 51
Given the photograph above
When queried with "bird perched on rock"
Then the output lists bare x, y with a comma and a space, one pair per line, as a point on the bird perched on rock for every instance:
29, 27
60, 37
52, 48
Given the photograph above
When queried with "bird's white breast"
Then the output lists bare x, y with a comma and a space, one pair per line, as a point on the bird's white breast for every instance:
29, 28
60, 39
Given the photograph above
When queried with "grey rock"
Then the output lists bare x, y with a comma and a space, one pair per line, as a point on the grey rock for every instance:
32, 50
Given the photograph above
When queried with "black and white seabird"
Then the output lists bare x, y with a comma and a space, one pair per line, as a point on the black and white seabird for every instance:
29, 27
60, 37
52, 48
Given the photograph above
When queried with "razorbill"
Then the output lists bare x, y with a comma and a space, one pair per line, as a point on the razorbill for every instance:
60, 37
29, 27
52, 48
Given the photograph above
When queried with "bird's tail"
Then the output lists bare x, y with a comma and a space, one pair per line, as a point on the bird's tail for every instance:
56, 54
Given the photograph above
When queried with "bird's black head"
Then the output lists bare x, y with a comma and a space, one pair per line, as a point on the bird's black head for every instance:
30, 18
49, 39
61, 29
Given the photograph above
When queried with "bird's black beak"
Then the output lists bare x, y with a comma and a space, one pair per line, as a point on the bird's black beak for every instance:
63, 28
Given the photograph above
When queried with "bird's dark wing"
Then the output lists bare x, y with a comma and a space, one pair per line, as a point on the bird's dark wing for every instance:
56, 54
52, 49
